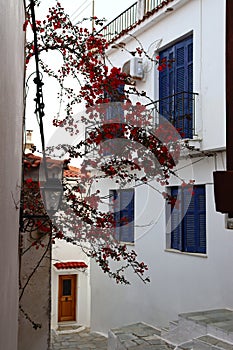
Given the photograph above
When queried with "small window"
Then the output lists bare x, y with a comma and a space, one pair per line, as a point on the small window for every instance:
122, 204
114, 114
188, 220
114, 110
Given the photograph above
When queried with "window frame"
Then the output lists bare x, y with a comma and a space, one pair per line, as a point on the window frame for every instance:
181, 238
115, 207
175, 91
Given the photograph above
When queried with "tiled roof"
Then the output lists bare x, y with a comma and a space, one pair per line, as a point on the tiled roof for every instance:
72, 171
33, 161
70, 265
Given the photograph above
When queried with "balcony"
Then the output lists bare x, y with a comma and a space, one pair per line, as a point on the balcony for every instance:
180, 110
123, 22
150, 5
129, 18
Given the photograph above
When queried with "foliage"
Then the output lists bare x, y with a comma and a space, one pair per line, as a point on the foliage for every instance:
142, 150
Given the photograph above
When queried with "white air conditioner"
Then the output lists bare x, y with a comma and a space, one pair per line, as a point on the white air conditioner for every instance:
134, 68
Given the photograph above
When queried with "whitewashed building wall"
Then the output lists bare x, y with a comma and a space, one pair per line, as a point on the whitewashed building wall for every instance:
180, 282
67, 252
11, 118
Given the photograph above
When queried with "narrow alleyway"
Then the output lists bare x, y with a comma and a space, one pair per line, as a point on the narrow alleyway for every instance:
83, 340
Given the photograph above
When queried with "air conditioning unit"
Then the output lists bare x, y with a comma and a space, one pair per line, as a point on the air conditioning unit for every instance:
134, 68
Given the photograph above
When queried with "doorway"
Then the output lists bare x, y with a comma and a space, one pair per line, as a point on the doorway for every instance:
67, 298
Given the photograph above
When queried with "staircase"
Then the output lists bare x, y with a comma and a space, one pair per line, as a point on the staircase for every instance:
203, 330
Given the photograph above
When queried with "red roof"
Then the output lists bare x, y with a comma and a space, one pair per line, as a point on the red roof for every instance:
72, 171
71, 265
33, 161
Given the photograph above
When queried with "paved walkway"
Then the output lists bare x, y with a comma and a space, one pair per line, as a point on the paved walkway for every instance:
83, 340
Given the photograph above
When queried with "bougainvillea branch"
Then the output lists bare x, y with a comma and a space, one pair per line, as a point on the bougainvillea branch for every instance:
120, 141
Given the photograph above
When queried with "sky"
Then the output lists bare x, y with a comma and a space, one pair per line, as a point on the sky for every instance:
77, 9
103, 8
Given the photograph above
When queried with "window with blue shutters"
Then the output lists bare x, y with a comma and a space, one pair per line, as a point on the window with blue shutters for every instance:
189, 234
122, 203
176, 86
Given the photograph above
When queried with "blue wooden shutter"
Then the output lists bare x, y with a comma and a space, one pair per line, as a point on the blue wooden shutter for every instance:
123, 207
115, 208
176, 226
194, 222
166, 86
184, 86
201, 219
180, 62
189, 223
178, 81
188, 106
127, 215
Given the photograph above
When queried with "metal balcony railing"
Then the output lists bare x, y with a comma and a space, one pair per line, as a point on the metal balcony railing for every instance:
122, 22
180, 110
128, 18
150, 5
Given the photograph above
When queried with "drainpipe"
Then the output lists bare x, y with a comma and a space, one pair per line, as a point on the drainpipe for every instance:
223, 180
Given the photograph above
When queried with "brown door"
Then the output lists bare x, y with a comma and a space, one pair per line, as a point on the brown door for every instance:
67, 298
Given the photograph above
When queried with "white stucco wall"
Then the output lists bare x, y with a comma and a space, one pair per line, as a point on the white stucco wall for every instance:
179, 282
11, 116
206, 20
63, 252
35, 300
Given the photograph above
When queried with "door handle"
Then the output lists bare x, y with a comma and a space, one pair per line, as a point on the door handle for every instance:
66, 299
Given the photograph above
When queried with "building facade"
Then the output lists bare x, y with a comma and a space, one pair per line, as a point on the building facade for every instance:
70, 282
188, 249
70, 278
11, 121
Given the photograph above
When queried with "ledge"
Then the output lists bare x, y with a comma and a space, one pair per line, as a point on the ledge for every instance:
194, 143
197, 255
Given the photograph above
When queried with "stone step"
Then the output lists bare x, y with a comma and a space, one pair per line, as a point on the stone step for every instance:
138, 336
218, 323
204, 330
208, 342
173, 324
164, 330
186, 346
69, 328
184, 332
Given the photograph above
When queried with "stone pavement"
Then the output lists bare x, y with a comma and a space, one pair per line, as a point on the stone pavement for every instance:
137, 336
83, 340
201, 330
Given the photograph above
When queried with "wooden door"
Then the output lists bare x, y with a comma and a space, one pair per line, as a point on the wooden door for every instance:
67, 298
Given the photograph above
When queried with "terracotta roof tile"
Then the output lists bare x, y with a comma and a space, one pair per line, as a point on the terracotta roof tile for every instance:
70, 265
33, 161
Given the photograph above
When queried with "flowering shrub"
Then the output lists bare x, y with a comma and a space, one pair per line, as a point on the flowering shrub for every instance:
142, 152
